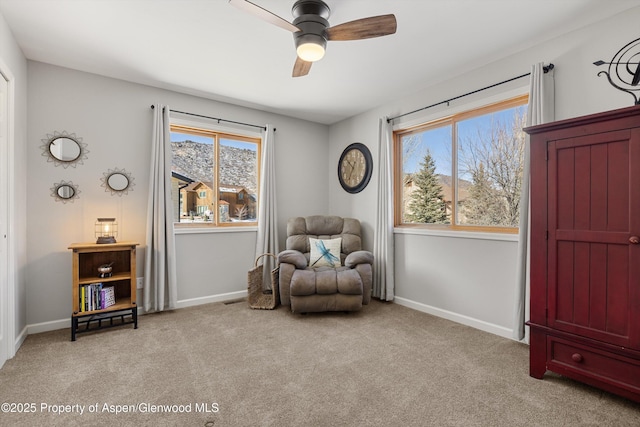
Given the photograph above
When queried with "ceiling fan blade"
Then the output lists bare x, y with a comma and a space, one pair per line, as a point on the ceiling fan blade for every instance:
301, 68
264, 14
365, 28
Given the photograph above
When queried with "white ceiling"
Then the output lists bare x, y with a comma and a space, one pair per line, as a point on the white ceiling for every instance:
211, 49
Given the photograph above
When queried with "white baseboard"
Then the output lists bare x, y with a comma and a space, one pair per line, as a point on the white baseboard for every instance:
52, 325
20, 339
66, 323
458, 318
212, 298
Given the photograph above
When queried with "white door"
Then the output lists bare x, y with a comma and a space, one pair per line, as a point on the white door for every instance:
4, 216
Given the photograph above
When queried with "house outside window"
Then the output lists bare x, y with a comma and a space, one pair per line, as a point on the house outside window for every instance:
217, 177
462, 172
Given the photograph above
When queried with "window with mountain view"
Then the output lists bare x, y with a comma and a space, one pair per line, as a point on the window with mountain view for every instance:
463, 171
214, 177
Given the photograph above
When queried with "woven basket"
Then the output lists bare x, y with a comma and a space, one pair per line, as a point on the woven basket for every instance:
257, 297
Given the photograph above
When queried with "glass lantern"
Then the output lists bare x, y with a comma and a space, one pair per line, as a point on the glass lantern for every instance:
106, 230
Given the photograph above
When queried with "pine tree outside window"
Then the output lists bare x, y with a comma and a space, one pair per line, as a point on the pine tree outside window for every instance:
464, 171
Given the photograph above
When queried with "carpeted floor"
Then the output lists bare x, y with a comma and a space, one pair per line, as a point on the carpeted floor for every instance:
227, 365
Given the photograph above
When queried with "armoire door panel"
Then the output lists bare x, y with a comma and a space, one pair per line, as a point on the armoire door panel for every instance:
592, 291
589, 219
596, 177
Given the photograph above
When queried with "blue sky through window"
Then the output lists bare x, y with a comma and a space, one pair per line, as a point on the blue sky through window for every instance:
438, 140
239, 144
181, 137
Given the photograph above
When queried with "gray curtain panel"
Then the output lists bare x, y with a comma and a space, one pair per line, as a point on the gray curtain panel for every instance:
383, 244
267, 241
160, 278
540, 110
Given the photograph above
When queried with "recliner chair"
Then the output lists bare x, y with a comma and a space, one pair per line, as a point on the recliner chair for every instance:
320, 273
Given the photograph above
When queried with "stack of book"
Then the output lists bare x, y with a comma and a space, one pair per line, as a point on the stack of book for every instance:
95, 296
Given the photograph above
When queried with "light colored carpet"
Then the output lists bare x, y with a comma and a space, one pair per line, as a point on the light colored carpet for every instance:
384, 366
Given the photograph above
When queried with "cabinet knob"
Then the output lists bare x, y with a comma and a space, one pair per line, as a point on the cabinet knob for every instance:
634, 240
577, 357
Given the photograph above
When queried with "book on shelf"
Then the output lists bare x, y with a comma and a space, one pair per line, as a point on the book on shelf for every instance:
108, 296
95, 296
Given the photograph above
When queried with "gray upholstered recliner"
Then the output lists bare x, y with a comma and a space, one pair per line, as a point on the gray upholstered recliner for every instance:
343, 287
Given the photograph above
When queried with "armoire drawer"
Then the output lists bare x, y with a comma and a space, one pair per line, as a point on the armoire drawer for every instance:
564, 355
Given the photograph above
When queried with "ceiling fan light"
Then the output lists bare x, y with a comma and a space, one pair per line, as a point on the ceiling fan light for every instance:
310, 51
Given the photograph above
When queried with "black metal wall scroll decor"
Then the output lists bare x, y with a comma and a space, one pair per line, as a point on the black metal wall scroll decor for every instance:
624, 70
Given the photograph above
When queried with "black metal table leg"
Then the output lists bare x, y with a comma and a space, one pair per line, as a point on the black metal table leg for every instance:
74, 326
134, 314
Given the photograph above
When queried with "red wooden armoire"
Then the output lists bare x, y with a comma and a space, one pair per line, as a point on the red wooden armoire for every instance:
585, 250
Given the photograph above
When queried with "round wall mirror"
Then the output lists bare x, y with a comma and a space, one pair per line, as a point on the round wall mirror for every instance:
63, 148
64, 191
118, 181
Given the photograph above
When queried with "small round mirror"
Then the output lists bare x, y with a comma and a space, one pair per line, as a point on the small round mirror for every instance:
65, 191
118, 181
64, 149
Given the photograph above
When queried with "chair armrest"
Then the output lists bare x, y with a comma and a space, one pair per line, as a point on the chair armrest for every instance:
294, 257
358, 257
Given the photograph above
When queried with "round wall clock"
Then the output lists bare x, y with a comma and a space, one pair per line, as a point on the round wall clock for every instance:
355, 167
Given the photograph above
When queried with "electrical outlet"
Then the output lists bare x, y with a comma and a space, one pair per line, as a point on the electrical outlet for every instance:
139, 282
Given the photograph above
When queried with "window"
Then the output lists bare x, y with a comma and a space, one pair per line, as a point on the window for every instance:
214, 177
463, 171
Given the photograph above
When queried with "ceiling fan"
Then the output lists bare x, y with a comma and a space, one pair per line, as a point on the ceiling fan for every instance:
311, 30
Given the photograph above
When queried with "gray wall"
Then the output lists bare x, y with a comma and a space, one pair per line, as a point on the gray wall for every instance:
114, 119
12, 58
466, 277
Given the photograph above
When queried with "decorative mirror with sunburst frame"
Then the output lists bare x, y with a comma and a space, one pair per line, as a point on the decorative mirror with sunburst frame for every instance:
64, 149
64, 191
117, 181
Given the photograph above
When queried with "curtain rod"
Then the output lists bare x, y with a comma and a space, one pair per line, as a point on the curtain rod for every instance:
546, 69
216, 118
